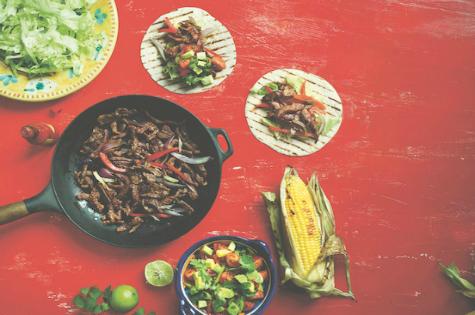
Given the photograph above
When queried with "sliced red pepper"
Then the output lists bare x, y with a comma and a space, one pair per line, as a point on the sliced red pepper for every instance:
109, 164
159, 154
137, 214
268, 89
164, 215
184, 63
263, 105
179, 173
157, 164
170, 27
216, 60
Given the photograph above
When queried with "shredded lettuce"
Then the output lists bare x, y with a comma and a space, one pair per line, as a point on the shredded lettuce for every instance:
42, 37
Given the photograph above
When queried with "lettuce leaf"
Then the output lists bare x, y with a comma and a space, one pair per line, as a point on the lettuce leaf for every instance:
45, 36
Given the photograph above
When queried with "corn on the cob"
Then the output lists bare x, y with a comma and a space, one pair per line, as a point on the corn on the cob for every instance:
302, 224
304, 231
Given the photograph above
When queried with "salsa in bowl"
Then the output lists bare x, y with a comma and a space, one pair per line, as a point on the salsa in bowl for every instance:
226, 275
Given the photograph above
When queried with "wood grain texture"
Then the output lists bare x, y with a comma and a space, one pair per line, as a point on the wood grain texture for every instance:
400, 172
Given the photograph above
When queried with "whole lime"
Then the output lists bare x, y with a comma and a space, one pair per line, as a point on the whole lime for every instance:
124, 298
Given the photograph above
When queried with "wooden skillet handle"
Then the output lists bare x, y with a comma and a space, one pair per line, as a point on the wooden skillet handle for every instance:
13, 211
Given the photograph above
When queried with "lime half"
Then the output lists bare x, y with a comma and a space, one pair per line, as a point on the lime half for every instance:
158, 273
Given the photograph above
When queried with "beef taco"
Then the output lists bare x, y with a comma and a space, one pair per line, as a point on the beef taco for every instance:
293, 112
188, 51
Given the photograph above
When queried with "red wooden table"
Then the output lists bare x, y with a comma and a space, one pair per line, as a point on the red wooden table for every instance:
400, 173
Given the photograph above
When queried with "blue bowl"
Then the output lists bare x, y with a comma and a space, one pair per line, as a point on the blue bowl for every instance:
261, 248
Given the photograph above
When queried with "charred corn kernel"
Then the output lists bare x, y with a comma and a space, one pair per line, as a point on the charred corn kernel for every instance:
302, 225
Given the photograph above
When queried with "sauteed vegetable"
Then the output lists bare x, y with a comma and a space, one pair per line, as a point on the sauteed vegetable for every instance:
225, 277
136, 167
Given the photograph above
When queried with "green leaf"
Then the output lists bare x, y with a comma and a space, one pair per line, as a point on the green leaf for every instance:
90, 304
84, 291
107, 294
453, 273
95, 293
247, 263
97, 309
79, 301
140, 311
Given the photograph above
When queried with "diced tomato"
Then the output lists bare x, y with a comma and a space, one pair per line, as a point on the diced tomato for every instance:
264, 274
219, 245
232, 260
258, 262
258, 296
188, 274
226, 276
186, 48
248, 306
184, 63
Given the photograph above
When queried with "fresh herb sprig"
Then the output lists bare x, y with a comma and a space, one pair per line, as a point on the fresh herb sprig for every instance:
89, 299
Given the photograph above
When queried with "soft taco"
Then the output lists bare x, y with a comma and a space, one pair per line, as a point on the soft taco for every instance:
293, 112
188, 51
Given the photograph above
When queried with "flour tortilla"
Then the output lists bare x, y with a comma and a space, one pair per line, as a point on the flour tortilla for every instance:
315, 86
220, 41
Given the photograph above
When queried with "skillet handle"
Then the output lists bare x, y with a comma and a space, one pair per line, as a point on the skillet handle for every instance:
43, 201
13, 212
223, 156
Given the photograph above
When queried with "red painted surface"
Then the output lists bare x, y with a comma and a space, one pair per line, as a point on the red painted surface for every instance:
400, 173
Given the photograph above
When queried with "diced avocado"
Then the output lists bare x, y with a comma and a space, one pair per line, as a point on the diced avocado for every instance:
202, 304
207, 80
249, 287
207, 250
190, 53
233, 309
225, 293
232, 246
241, 278
209, 263
255, 276
201, 55
199, 282
222, 252
201, 63
295, 82
217, 268
196, 69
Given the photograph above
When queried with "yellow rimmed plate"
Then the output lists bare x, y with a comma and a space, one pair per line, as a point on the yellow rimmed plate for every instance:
39, 89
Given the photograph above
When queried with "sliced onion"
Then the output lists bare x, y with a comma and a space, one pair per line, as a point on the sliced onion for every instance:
180, 144
105, 173
110, 145
170, 179
160, 48
176, 212
193, 160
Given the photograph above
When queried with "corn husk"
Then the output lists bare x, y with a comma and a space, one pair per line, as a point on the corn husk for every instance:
320, 281
464, 286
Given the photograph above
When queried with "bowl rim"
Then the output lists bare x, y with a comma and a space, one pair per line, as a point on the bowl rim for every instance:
258, 245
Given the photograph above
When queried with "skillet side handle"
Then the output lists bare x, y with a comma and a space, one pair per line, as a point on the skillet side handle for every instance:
223, 156
13, 211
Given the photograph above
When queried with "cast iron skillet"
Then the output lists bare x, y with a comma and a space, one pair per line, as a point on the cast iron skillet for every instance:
60, 194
